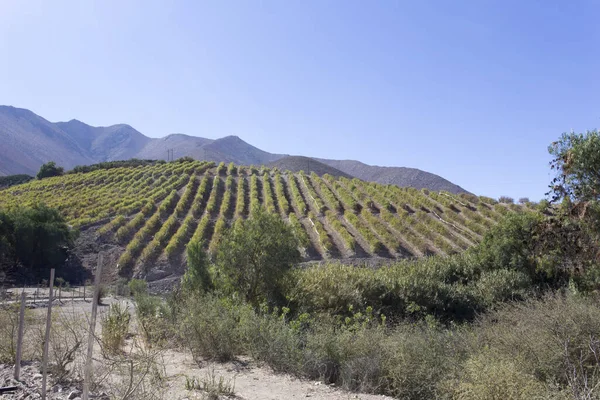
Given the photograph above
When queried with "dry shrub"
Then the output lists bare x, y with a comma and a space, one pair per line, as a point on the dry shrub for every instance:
136, 374
115, 325
487, 377
68, 335
9, 326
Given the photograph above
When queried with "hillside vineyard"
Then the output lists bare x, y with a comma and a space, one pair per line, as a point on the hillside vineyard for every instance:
153, 211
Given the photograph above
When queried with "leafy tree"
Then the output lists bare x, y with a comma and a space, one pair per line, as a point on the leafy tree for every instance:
50, 169
197, 277
577, 165
510, 243
36, 238
253, 258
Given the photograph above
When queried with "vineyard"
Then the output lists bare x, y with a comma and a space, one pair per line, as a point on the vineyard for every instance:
152, 211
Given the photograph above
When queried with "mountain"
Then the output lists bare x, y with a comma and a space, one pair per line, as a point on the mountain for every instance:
28, 140
400, 176
116, 142
182, 145
308, 165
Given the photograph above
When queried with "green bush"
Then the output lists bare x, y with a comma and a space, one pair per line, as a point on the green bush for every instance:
210, 328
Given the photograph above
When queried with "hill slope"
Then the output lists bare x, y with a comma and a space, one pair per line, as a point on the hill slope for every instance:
143, 216
306, 164
400, 176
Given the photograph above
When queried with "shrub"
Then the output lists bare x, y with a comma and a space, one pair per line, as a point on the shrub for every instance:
210, 327
138, 287
487, 378
115, 324
252, 260
506, 200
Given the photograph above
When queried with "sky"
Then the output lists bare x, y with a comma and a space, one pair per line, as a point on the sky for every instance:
474, 91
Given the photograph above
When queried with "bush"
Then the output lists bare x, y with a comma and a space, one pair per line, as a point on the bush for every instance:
498, 379
153, 319
210, 328
115, 324
49, 169
506, 200
138, 287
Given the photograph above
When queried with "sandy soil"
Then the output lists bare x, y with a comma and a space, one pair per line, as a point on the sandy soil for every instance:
252, 382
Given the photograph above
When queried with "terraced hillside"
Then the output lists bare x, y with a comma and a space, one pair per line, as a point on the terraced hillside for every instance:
151, 212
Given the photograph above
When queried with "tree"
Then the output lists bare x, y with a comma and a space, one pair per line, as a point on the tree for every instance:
577, 165
36, 239
50, 169
253, 258
197, 277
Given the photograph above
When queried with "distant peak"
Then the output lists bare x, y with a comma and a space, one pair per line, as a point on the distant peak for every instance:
232, 137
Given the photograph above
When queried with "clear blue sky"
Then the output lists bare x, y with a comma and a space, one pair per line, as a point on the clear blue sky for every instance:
471, 90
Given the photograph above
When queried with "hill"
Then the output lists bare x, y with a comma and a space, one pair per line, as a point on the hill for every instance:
306, 164
400, 176
143, 216
27, 141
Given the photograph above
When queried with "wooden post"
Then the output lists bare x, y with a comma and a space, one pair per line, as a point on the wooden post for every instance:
83, 291
20, 337
47, 336
90, 349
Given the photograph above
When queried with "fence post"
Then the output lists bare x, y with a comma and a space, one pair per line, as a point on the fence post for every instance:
47, 336
20, 337
90, 349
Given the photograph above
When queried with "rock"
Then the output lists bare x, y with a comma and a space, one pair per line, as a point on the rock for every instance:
75, 394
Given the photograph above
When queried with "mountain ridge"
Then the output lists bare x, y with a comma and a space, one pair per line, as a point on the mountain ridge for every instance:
27, 140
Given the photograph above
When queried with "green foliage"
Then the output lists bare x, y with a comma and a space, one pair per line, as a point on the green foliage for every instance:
299, 231
134, 162
221, 168
12, 180
49, 170
330, 200
324, 238
240, 201
253, 259
284, 205
197, 276
297, 199
577, 165
336, 224
153, 319
254, 202
268, 201
32, 241
210, 328
510, 243
231, 169
506, 200
138, 287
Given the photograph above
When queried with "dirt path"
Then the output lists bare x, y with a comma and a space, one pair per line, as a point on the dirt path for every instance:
252, 382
